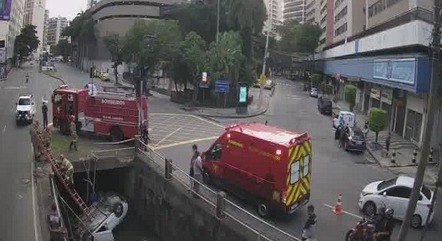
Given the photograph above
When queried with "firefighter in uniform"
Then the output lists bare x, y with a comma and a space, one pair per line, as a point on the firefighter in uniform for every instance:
34, 131
74, 136
66, 168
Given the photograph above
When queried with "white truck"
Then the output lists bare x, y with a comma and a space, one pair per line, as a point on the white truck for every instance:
25, 109
346, 118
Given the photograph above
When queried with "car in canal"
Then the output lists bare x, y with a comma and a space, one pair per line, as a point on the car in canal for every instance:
395, 193
25, 109
105, 216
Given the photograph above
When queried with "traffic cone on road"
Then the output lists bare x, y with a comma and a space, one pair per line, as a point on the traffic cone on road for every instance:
338, 209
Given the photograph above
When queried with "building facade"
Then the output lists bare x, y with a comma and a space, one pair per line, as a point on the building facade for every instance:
11, 27
388, 60
45, 31
294, 10
274, 15
55, 29
34, 13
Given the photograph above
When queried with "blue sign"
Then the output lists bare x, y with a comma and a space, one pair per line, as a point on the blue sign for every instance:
222, 86
397, 70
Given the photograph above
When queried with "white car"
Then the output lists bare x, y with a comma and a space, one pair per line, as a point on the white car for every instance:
25, 109
395, 193
106, 214
314, 92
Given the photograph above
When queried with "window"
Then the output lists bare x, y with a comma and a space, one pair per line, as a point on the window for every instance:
294, 172
341, 29
376, 8
390, 3
402, 192
341, 14
306, 170
57, 98
426, 192
386, 184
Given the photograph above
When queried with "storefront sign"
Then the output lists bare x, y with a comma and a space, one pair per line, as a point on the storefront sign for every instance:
222, 86
396, 70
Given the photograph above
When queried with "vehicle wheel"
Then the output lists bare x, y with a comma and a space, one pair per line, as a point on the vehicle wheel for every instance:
116, 134
118, 209
369, 208
349, 235
263, 209
416, 221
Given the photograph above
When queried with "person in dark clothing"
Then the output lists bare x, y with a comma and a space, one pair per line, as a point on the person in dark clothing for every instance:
387, 227
308, 231
145, 133
344, 133
366, 129
27, 77
387, 142
338, 132
44, 110
378, 219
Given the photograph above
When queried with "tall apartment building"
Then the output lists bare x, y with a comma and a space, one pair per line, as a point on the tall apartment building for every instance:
294, 10
274, 15
312, 11
55, 28
35, 15
11, 24
45, 30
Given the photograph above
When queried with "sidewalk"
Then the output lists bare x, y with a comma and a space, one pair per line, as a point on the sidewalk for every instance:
403, 162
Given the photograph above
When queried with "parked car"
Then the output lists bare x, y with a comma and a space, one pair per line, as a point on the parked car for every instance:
103, 76
395, 193
324, 105
25, 110
355, 140
106, 214
314, 92
269, 84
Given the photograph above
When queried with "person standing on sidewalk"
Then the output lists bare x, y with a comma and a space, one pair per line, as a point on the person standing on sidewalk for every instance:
309, 230
27, 78
387, 143
196, 168
44, 110
366, 129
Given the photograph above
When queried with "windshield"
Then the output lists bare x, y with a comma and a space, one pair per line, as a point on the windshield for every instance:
426, 191
386, 184
24, 102
357, 134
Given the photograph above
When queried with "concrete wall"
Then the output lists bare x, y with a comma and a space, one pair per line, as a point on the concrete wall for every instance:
171, 213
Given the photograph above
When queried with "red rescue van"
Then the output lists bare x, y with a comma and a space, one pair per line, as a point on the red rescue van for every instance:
268, 165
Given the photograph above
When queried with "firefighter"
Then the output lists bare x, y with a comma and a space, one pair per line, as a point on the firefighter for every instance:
44, 110
34, 131
66, 168
74, 136
145, 133
308, 231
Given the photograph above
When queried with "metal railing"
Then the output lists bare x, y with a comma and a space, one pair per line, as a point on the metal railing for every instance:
223, 207
125, 152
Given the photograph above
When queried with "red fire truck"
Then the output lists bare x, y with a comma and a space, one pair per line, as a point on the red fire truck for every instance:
103, 113
265, 164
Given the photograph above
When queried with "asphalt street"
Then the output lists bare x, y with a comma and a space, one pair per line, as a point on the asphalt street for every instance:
334, 170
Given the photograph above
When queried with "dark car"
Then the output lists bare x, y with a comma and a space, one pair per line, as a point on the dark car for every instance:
324, 106
355, 140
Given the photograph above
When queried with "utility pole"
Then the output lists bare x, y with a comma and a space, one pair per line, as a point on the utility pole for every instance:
217, 22
431, 109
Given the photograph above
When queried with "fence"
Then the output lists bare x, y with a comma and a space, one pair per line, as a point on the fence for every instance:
222, 207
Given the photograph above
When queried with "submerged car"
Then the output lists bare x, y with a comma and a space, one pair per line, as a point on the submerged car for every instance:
395, 193
106, 214
25, 109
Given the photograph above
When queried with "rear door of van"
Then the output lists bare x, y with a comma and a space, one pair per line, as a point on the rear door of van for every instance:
298, 174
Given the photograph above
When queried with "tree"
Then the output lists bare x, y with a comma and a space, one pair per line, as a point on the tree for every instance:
377, 120
350, 95
295, 37
63, 48
25, 43
116, 49
316, 80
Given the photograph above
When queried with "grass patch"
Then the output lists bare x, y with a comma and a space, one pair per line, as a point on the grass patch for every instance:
60, 145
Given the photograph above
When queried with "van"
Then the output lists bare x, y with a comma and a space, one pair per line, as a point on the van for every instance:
266, 165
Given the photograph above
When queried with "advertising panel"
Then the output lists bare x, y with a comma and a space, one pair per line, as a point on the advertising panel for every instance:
396, 70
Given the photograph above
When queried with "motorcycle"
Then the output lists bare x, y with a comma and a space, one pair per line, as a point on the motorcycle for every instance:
363, 231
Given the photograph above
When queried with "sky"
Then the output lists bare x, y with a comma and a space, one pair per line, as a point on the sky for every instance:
65, 8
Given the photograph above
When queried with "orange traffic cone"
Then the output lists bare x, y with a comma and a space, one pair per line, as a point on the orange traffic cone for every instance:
338, 209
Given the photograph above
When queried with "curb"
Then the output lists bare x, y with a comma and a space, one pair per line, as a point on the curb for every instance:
234, 116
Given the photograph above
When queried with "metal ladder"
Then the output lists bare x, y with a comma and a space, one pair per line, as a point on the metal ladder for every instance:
49, 158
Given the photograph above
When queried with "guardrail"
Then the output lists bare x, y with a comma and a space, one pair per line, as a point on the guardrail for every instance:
118, 153
223, 207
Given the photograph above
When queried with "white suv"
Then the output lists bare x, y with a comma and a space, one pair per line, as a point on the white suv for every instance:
25, 109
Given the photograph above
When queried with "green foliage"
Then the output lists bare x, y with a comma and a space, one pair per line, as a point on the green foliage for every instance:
63, 48
377, 120
25, 43
297, 37
316, 80
350, 95
116, 48
81, 28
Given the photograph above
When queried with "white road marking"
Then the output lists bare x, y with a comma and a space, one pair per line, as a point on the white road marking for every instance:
185, 142
33, 196
173, 132
194, 116
349, 213
4, 129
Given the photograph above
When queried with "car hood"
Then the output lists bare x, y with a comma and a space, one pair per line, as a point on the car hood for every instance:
24, 107
371, 187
